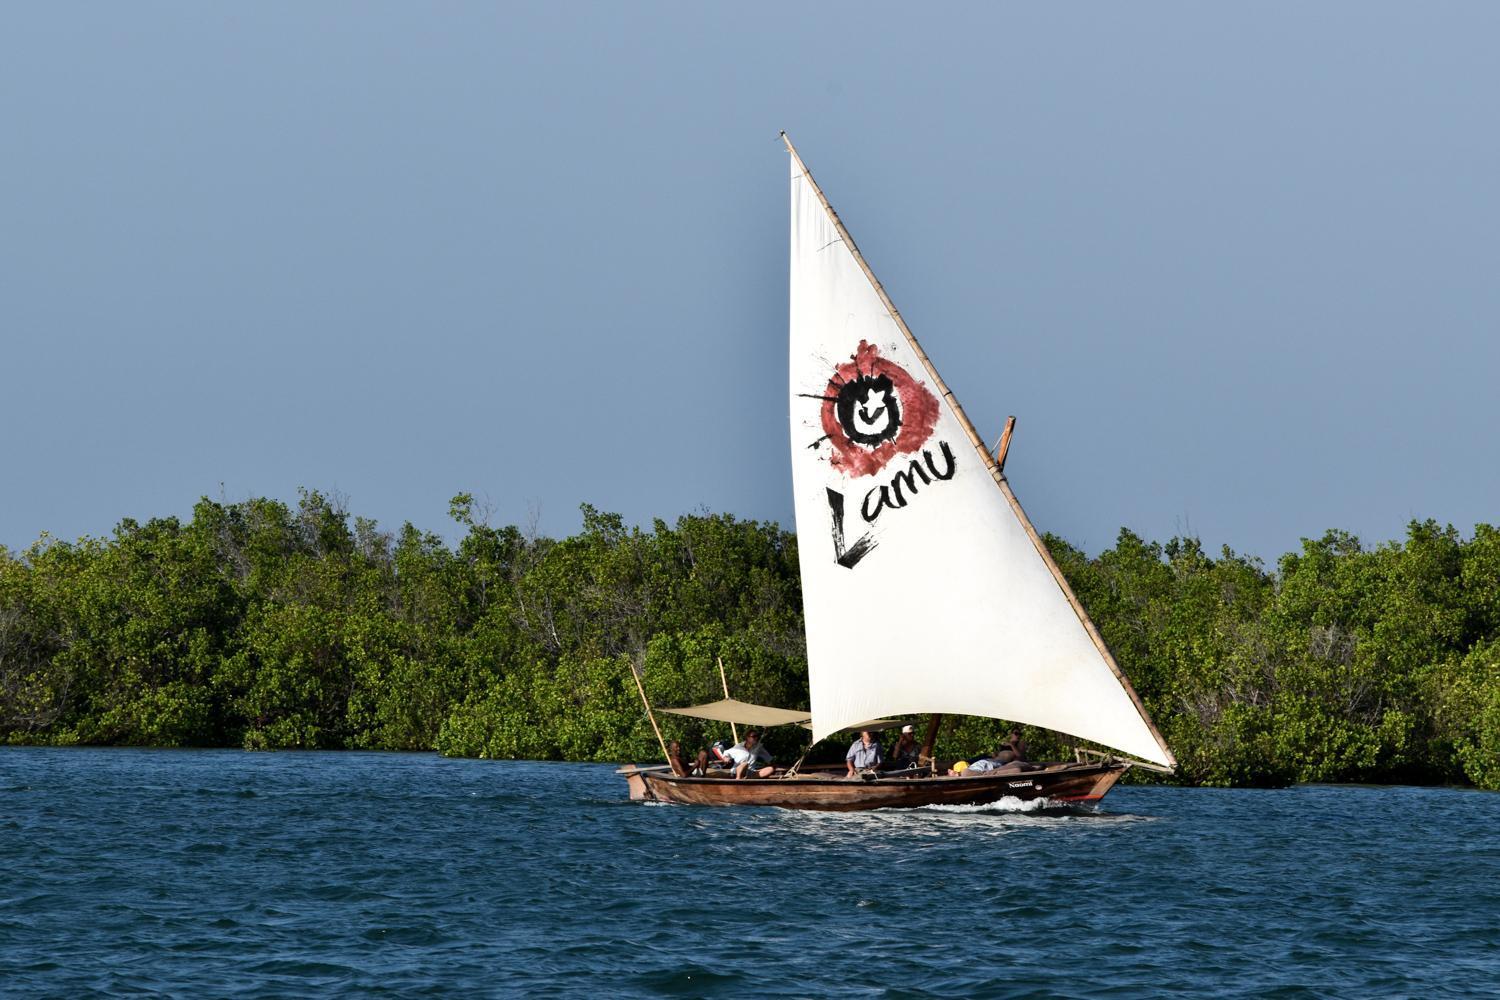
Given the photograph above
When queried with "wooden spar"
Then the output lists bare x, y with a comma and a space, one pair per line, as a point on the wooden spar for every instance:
724, 679
930, 740
984, 453
650, 714
1004, 447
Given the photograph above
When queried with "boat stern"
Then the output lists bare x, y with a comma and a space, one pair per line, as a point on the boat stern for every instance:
636, 783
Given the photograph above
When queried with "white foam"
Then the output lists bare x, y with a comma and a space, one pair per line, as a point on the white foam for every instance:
1008, 804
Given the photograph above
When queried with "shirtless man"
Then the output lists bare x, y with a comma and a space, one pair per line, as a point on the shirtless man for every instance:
1013, 750
1009, 757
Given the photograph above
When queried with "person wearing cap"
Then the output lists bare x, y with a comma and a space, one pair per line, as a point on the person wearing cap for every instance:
864, 754
904, 754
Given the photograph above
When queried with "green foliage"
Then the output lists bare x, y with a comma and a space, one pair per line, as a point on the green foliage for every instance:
1467, 693
267, 626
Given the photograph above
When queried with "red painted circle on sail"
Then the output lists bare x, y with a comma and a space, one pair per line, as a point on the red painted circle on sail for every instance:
873, 410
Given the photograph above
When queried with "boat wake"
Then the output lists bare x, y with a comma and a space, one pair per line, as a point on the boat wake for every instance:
1005, 805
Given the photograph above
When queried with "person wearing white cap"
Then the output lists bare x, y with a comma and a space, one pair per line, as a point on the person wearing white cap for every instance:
904, 753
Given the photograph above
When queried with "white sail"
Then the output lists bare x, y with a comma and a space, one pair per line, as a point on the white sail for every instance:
923, 588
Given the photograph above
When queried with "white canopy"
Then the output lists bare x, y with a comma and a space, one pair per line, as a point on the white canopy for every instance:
730, 710
925, 587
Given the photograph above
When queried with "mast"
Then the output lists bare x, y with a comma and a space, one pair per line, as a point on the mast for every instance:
650, 714
724, 678
985, 455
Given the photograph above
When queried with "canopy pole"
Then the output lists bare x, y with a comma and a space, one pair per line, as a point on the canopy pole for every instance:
1003, 448
984, 454
724, 679
650, 714
930, 741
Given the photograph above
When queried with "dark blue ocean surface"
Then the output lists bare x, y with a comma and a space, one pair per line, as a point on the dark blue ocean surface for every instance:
205, 873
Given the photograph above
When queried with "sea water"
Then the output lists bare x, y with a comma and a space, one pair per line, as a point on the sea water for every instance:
221, 873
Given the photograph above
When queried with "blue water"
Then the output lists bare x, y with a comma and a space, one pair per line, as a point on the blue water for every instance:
197, 873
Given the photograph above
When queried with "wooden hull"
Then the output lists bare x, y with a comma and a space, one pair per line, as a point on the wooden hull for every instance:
1058, 783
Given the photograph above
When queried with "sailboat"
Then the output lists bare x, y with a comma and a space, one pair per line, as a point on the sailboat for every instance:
926, 589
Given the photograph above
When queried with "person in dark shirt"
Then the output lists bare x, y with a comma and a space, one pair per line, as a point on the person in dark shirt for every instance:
904, 754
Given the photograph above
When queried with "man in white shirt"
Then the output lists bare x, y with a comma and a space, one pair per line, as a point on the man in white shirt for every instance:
747, 752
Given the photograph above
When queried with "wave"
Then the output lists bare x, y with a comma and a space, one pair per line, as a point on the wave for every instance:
1008, 804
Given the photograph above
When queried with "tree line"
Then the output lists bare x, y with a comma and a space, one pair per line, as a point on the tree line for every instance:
264, 625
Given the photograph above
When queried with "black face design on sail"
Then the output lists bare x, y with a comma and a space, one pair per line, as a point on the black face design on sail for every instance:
867, 410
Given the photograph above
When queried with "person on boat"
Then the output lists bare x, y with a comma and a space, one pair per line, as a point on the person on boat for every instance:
904, 754
745, 755
1013, 750
982, 765
674, 758
680, 767
718, 753
1011, 756
864, 754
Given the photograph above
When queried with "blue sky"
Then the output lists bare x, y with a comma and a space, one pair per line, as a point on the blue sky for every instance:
1234, 268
